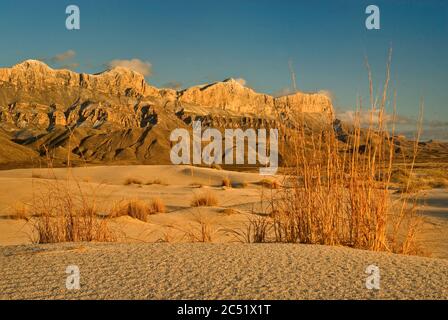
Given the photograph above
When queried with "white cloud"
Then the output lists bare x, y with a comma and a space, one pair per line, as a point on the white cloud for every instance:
241, 81
364, 116
67, 55
137, 65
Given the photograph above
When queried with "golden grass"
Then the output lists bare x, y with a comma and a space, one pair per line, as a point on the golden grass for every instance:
63, 213
134, 208
204, 232
419, 180
205, 199
334, 196
157, 205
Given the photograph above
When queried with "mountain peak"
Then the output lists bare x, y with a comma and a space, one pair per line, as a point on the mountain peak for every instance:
120, 71
233, 81
31, 63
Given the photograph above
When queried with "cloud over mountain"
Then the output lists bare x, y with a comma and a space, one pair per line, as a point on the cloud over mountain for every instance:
137, 65
64, 56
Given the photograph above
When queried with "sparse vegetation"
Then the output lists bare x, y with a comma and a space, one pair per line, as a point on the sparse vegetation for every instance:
134, 208
419, 180
63, 213
205, 199
334, 196
257, 229
155, 181
131, 181
157, 206
204, 232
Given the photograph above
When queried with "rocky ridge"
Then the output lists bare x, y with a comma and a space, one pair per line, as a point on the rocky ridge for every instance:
116, 116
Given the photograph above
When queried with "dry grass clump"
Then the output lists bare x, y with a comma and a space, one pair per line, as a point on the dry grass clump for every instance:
226, 183
414, 182
334, 196
131, 181
157, 205
203, 231
155, 181
205, 199
63, 213
134, 208
257, 229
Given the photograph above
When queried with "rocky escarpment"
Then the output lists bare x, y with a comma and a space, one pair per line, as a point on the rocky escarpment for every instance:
116, 116
34, 75
232, 96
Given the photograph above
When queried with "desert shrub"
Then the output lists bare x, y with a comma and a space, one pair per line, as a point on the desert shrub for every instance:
334, 196
134, 208
257, 229
205, 199
157, 206
203, 231
63, 213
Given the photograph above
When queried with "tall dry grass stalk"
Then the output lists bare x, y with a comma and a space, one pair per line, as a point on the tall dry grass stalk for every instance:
332, 193
62, 212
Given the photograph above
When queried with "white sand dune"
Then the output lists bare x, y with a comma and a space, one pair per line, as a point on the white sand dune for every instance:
215, 271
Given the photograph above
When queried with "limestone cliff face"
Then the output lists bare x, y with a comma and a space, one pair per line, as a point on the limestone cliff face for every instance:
33, 74
116, 116
306, 103
228, 95
232, 96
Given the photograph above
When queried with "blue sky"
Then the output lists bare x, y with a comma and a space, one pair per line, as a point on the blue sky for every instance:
199, 41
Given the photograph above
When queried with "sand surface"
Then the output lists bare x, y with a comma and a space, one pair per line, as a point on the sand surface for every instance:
215, 271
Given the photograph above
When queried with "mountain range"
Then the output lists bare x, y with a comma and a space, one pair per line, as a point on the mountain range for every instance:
117, 117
